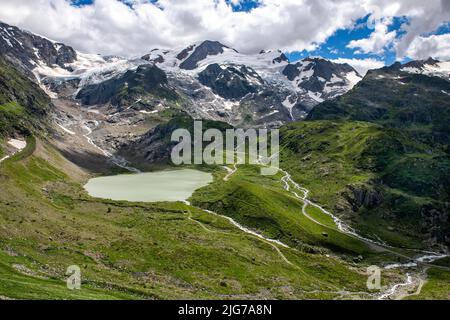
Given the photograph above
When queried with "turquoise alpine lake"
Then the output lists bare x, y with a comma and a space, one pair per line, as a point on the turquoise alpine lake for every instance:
168, 185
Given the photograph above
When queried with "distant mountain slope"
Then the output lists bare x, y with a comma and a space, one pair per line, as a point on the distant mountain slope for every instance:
200, 53
131, 87
28, 50
231, 82
313, 79
397, 98
430, 67
322, 79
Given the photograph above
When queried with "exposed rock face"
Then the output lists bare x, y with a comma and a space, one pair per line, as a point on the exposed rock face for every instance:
156, 146
429, 67
416, 64
183, 54
27, 49
363, 196
146, 79
233, 82
64, 89
291, 71
421, 63
436, 222
210, 74
207, 48
281, 58
153, 147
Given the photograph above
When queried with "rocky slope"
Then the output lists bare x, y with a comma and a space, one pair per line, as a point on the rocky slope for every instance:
29, 51
398, 96
128, 88
24, 107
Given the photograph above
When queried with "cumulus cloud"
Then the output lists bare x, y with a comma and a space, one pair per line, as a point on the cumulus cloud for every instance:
361, 65
378, 40
423, 17
436, 46
135, 27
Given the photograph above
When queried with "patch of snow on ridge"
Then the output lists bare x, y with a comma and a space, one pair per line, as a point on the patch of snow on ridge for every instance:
149, 112
315, 96
7, 41
289, 105
353, 78
438, 69
17, 144
65, 129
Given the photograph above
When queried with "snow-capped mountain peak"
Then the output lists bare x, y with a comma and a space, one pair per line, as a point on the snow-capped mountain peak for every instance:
321, 79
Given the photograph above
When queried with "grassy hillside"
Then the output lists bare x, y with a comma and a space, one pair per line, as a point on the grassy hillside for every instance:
436, 286
379, 179
261, 203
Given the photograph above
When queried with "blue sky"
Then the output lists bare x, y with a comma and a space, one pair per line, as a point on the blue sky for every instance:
336, 46
245, 5
369, 33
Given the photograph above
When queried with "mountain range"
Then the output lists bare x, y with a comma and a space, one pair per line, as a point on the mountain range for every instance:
262, 89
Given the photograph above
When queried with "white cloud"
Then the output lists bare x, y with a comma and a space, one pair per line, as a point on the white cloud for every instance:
423, 17
436, 46
112, 27
361, 65
379, 39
